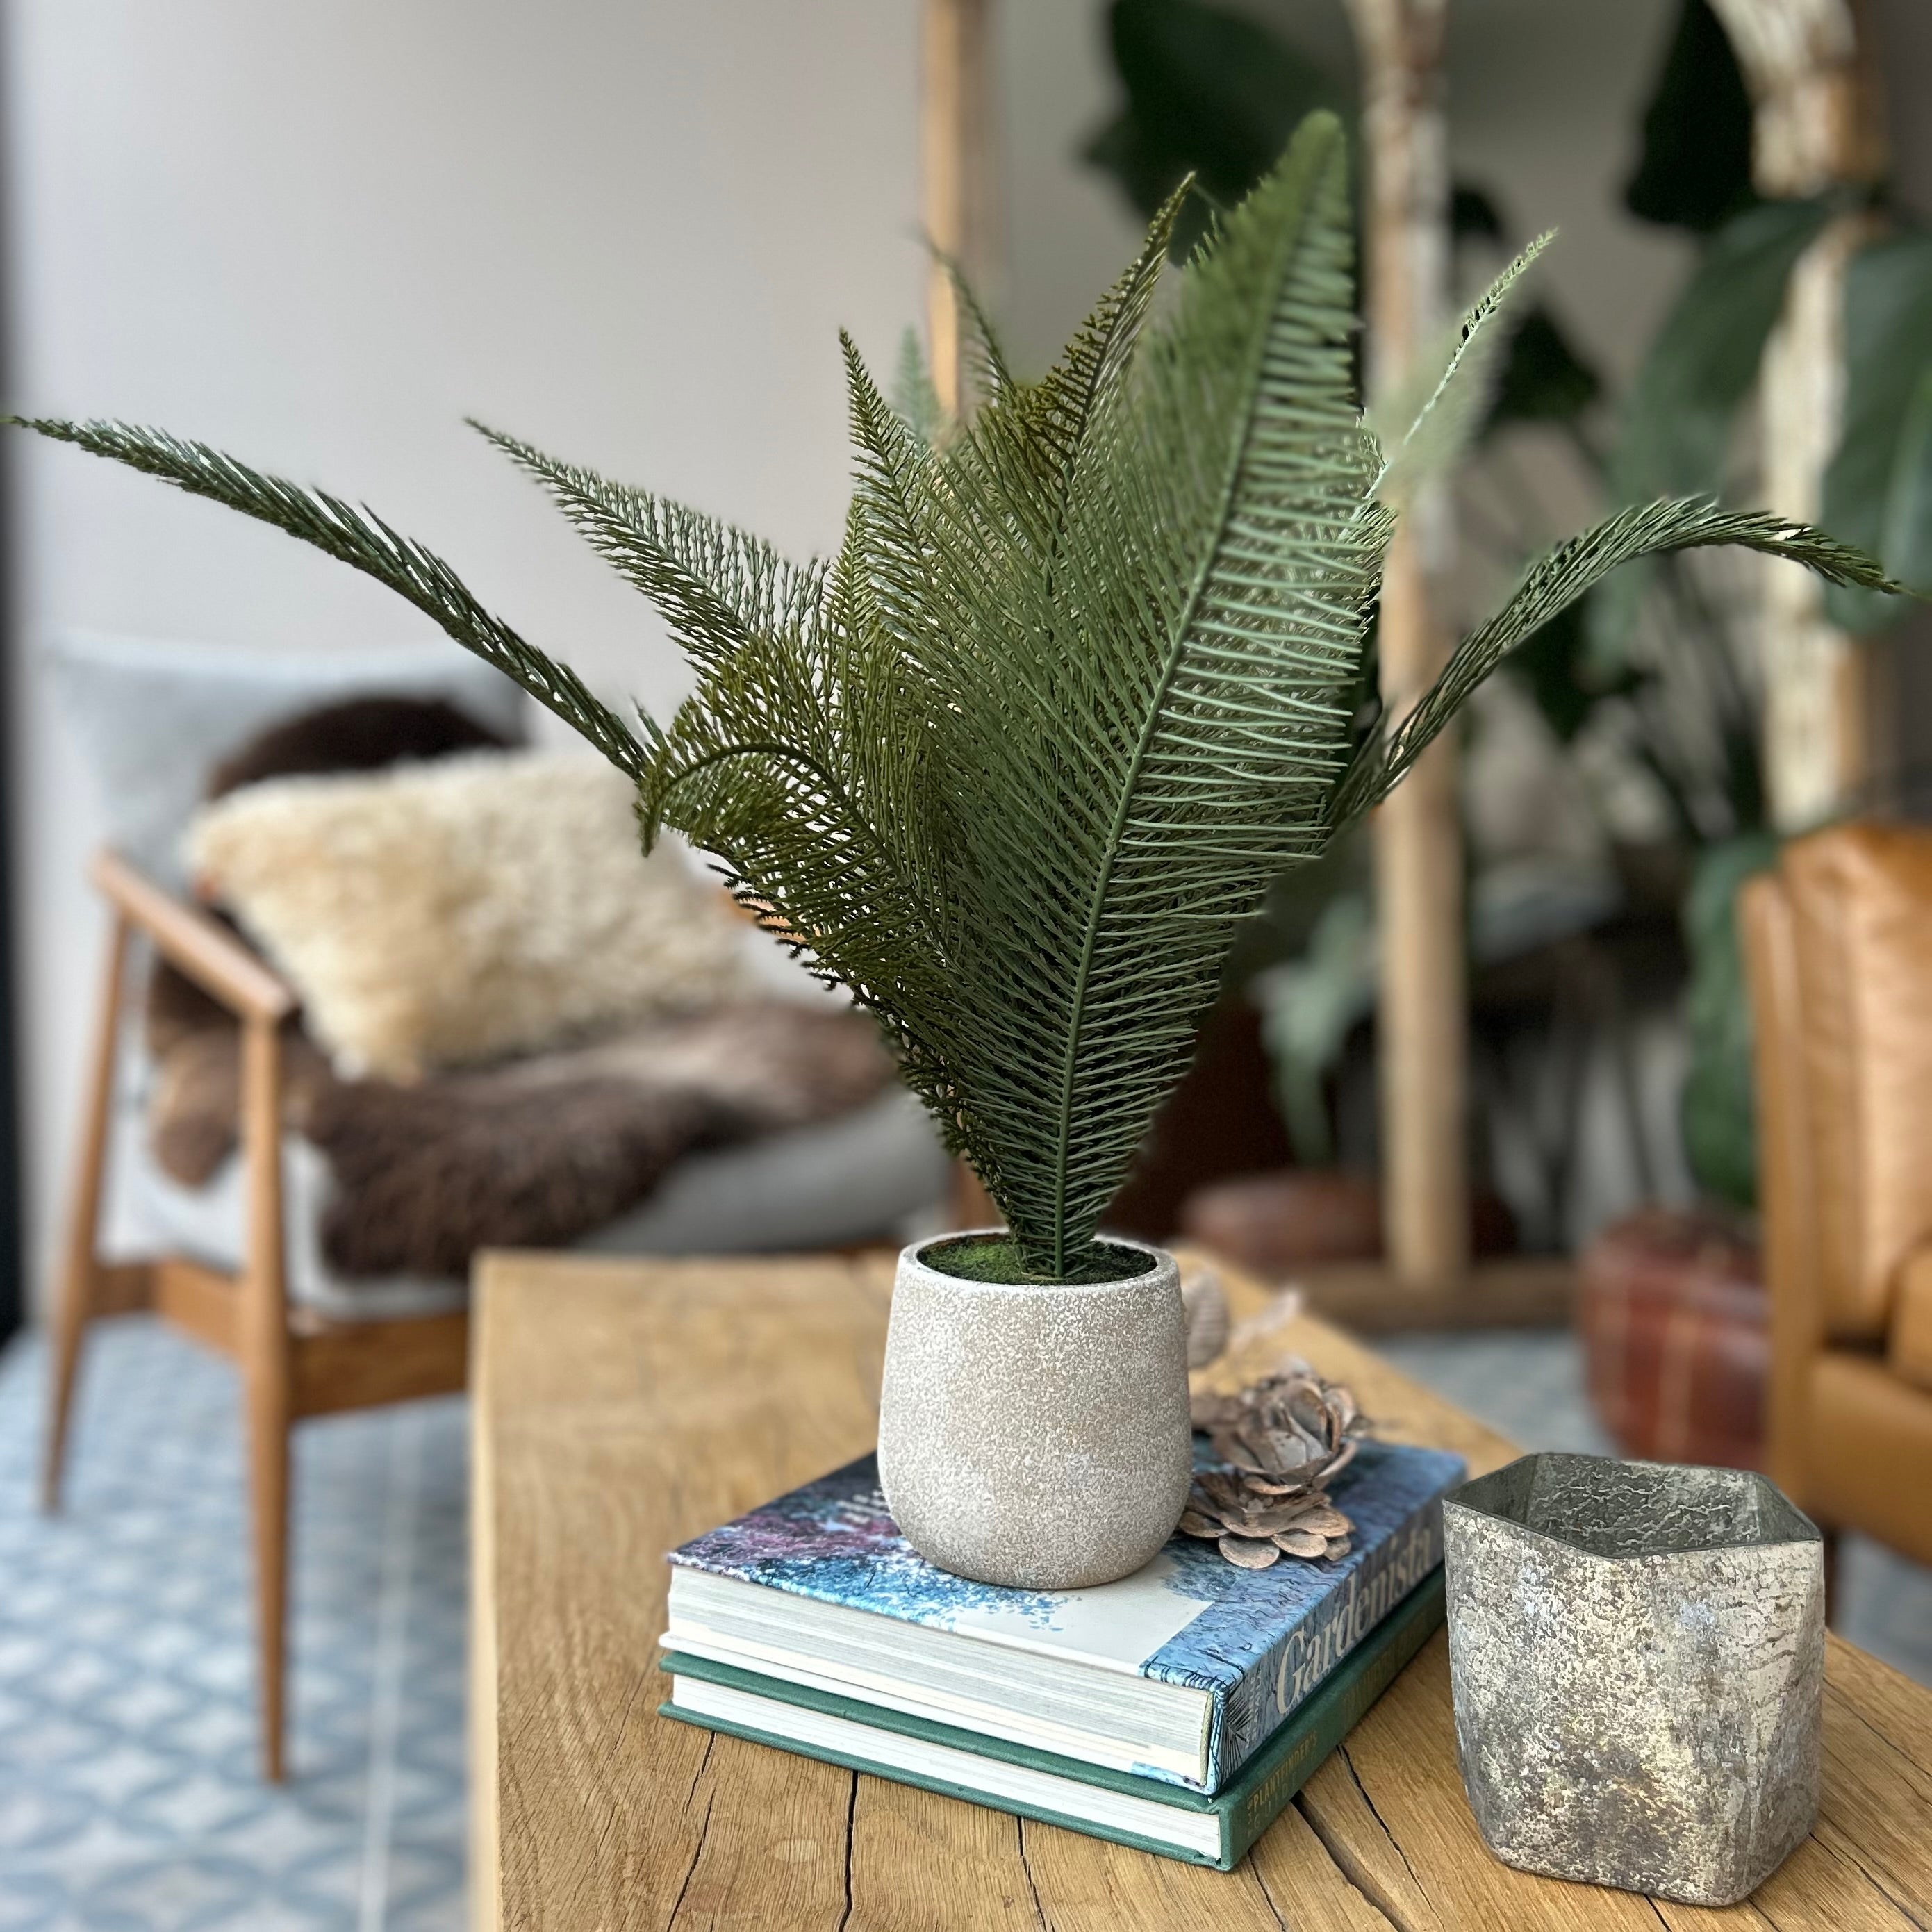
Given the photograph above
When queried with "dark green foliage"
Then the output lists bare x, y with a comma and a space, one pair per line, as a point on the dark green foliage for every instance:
1473, 216
1701, 364
1719, 1136
1554, 582
1214, 95
1557, 668
1677, 421
1544, 379
1878, 492
1017, 763
1210, 94
1694, 171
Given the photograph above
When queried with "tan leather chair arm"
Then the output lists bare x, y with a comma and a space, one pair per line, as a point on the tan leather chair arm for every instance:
1909, 1345
1786, 1191
201, 947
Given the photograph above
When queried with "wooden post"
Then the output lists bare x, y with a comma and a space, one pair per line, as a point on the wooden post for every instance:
956, 145
1816, 126
956, 205
1423, 1019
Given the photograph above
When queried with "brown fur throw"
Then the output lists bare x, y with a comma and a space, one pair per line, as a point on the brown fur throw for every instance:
531, 1153
528, 1152
545, 1149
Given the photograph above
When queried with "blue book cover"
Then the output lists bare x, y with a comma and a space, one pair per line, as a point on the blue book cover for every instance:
1257, 1642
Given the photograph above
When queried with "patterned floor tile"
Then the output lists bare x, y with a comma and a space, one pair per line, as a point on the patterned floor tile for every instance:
129, 1796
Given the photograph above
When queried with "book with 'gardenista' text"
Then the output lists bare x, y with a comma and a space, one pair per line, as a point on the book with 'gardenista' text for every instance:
1178, 1673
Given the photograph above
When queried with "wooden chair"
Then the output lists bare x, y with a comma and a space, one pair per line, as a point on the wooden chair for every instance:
294, 1362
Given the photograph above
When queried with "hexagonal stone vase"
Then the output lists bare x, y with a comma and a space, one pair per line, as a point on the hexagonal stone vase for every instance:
1637, 1653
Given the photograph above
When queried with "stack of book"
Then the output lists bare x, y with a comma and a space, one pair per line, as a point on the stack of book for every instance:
1178, 1710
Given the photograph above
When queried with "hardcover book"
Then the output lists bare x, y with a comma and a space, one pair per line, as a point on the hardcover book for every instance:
1178, 1673
1147, 1813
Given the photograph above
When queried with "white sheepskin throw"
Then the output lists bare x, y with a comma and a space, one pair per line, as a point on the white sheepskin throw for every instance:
439, 914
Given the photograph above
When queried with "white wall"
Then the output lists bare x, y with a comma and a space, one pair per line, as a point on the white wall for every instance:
319, 235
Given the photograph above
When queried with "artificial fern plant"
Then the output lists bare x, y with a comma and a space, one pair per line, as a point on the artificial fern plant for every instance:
1014, 766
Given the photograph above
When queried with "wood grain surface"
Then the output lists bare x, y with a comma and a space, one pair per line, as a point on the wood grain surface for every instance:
621, 1407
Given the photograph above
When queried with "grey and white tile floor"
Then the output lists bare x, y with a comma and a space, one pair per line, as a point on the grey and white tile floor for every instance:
129, 1801
129, 1797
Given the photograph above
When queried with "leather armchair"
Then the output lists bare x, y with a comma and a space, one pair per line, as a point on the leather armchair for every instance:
1838, 945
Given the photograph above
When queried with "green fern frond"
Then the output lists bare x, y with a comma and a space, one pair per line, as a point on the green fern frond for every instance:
1154, 692
913, 395
361, 540
982, 361
1016, 764
1429, 420
1063, 405
1555, 581
714, 586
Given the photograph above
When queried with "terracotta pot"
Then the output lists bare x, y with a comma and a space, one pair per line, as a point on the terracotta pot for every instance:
1036, 1437
1675, 1327
1275, 1225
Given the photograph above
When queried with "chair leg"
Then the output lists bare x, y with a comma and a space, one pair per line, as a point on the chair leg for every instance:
266, 1370
74, 1306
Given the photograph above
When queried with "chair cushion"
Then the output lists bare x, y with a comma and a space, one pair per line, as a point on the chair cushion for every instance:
861, 1178
490, 903
1862, 911
153, 718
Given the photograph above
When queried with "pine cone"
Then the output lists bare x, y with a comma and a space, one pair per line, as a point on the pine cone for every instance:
1255, 1527
1282, 1439
1290, 1432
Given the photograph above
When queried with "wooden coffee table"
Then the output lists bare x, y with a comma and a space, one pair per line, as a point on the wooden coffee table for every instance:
621, 1407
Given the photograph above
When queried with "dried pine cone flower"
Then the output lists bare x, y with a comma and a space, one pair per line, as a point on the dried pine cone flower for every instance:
1282, 1439
1291, 1429
1254, 1530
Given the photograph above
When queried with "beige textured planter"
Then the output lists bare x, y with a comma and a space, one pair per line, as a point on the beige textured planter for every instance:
1036, 1437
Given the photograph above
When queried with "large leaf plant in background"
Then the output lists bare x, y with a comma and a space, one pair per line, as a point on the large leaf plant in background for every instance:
1016, 764
1653, 661
1678, 429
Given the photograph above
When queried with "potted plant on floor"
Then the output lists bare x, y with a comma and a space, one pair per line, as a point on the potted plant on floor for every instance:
1014, 765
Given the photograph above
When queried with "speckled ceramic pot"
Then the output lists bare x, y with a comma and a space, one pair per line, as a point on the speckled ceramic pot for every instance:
1036, 1437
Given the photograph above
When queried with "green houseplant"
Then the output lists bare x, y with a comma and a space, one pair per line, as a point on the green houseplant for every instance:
1014, 766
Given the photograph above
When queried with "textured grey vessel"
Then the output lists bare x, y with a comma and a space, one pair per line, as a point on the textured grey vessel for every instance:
1637, 1653
1035, 1437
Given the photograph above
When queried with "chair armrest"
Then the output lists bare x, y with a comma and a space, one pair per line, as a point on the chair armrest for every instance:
1910, 1346
201, 947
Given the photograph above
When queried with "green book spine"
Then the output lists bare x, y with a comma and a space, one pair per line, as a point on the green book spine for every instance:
1244, 1809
